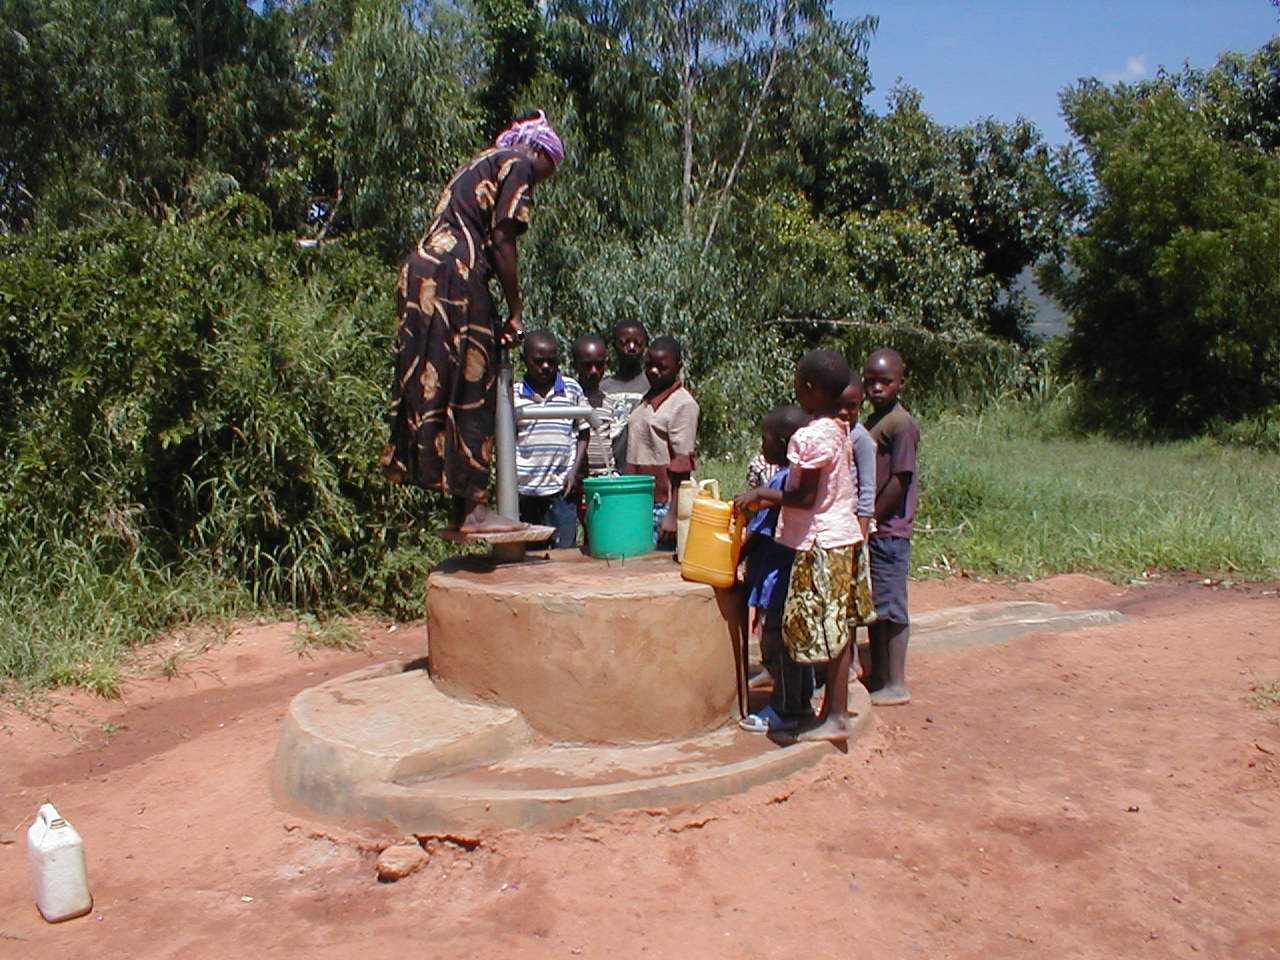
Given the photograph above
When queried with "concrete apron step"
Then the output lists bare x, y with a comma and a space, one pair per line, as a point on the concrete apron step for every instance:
383, 744
384, 723
958, 628
550, 785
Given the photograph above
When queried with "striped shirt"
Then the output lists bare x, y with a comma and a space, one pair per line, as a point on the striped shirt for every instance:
545, 449
600, 462
760, 471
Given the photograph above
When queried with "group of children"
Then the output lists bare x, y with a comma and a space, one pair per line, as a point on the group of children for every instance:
830, 544
648, 425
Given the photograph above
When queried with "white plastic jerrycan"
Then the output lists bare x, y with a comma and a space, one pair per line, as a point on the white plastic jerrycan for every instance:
58, 873
689, 490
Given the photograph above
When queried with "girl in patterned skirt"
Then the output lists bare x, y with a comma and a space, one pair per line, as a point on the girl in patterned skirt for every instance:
830, 587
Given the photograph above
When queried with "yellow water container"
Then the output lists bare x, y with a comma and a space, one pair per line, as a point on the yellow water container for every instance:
715, 539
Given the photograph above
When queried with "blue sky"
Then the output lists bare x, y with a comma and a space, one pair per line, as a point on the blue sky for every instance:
1001, 58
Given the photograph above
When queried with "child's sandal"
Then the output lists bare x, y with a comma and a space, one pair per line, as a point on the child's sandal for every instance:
767, 720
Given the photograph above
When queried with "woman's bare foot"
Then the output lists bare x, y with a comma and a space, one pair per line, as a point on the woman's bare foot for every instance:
835, 727
480, 519
457, 512
889, 696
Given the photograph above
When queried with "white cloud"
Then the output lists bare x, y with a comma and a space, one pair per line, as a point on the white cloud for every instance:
1135, 68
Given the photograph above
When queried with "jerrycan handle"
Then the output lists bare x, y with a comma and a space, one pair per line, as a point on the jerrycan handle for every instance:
739, 521
709, 488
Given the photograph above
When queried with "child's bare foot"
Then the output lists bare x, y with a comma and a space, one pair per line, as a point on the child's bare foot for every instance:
890, 696
835, 727
483, 520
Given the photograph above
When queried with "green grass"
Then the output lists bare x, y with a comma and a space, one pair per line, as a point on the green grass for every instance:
334, 634
1007, 493
1000, 497
68, 616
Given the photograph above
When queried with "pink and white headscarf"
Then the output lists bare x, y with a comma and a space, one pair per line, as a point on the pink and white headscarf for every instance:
536, 131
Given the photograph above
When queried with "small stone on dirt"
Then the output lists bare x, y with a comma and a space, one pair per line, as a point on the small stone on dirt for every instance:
399, 861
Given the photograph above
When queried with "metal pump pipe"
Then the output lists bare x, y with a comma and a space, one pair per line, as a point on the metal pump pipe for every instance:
504, 440
504, 433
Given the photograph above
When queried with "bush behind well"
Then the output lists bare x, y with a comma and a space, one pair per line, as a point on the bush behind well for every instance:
195, 403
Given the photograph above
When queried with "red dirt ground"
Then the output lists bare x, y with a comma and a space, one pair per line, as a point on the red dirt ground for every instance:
1104, 793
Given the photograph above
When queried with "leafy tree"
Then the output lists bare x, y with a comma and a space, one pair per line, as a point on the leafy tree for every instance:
180, 107
391, 120
792, 33
83, 123
512, 31
1005, 194
1174, 290
816, 113
1242, 95
714, 57
620, 175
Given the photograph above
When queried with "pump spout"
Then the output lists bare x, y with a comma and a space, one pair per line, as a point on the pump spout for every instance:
505, 433
590, 414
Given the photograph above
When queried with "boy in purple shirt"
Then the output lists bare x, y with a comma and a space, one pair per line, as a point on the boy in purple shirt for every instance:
897, 438
864, 471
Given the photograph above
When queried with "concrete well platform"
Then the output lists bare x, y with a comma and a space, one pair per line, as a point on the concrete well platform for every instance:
556, 696
384, 744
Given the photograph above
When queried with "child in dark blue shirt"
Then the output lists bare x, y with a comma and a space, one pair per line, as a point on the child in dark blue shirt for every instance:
768, 573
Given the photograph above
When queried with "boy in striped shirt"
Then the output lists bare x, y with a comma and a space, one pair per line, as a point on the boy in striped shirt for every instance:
549, 453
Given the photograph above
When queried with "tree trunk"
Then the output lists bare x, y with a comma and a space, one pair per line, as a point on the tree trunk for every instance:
725, 190
686, 110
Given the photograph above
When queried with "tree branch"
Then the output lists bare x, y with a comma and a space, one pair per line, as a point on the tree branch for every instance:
774, 30
873, 325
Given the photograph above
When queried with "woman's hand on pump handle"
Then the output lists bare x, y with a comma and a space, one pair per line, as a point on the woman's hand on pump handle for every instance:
513, 332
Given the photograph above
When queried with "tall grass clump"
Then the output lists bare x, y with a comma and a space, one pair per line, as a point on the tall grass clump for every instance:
68, 612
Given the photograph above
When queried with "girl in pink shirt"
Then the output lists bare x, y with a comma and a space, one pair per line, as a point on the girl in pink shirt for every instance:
830, 588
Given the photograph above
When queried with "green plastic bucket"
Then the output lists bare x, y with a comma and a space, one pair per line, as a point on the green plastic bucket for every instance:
619, 516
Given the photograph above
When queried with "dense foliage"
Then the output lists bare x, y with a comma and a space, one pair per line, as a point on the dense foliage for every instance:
200, 221
1175, 285
218, 414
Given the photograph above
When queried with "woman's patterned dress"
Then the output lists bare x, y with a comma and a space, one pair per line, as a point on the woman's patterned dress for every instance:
444, 394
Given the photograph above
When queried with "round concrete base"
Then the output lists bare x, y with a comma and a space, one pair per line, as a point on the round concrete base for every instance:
589, 651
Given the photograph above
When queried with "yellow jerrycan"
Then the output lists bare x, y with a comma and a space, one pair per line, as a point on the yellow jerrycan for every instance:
689, 490
715, 539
